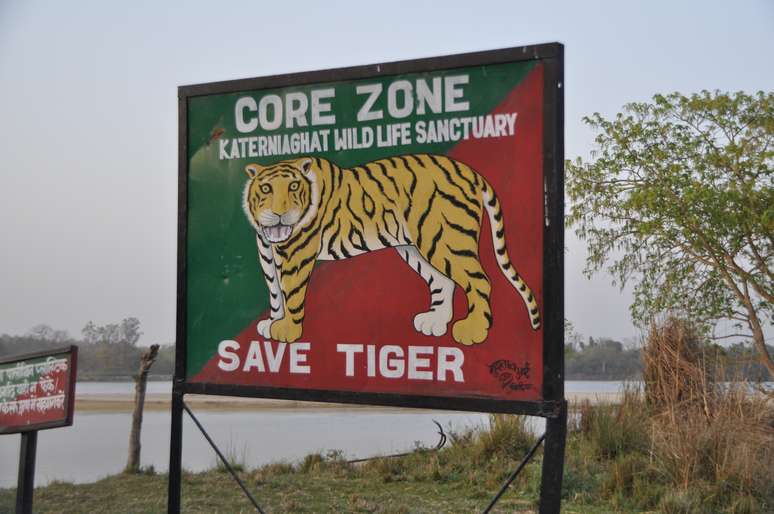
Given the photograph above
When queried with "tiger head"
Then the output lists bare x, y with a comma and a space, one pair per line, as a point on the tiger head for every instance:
277, 198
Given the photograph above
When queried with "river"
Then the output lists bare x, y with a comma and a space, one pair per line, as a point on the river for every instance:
96, 445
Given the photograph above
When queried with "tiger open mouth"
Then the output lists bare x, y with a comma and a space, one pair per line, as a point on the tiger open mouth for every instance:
277, 233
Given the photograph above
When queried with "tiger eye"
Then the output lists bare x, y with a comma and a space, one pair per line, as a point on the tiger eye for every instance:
294, 185
265, 189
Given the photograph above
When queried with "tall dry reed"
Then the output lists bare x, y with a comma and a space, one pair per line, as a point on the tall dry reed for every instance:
702, 431
677, 368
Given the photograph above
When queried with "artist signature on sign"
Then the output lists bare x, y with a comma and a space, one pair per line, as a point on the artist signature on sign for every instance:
510, 375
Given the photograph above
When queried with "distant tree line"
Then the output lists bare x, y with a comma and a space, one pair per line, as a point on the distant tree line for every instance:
111, 352
105, 352
742, 361
607, 359
601, 359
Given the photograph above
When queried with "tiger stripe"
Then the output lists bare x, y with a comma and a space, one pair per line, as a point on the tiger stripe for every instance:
501, 254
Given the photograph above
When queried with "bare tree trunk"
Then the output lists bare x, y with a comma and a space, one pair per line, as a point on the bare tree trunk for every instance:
757, 331
743, 295
760, 344
140, 382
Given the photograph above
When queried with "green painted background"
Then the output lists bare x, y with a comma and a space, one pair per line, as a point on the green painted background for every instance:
226, 290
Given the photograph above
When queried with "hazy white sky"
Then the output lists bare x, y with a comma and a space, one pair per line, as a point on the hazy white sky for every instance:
88, 118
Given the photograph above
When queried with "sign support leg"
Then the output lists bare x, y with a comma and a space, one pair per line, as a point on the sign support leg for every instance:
175, 454
516, 472
553, 463
26, 482
223, 459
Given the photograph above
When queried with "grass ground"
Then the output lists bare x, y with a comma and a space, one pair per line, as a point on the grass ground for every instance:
616, 461
281, 492
215, 492
461, 478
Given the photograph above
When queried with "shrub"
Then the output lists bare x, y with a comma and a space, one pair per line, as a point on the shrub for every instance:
272, 470
616, 430
332, 462
237, 459
310, 463
391, 469
744, 505
679, 502
508, 437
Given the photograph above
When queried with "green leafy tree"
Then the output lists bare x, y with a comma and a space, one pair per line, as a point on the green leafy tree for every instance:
678, 198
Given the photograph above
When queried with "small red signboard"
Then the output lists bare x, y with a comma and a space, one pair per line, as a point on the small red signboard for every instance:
37, 390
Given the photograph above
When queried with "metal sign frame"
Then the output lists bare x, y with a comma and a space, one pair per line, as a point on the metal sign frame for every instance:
552, 405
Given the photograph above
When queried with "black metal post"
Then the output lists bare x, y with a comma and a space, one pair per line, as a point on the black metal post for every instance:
175, 454
553, 463
26, 483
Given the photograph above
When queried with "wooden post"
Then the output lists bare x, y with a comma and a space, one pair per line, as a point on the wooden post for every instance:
140, 384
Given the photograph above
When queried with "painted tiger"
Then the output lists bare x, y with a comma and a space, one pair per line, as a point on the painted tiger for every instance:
428, 207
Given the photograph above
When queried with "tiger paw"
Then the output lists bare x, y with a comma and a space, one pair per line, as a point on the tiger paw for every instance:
263, 328
284, 330
432, 323
470, 330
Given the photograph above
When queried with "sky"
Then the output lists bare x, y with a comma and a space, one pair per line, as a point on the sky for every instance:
88, 119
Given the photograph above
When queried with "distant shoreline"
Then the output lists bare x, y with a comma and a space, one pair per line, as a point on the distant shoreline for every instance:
161, 402
168, 378
124, 378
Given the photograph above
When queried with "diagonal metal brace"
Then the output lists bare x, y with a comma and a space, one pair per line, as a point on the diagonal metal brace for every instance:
441, 443
223, 459
513, 476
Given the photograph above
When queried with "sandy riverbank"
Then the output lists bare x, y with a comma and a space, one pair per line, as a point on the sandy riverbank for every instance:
160, 402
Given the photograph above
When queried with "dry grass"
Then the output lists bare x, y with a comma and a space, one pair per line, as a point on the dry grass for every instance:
687, 443
727, 440
617, 429
704, 433
678, 369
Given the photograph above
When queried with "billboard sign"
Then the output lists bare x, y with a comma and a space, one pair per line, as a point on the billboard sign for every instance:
37, 391
386, 234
